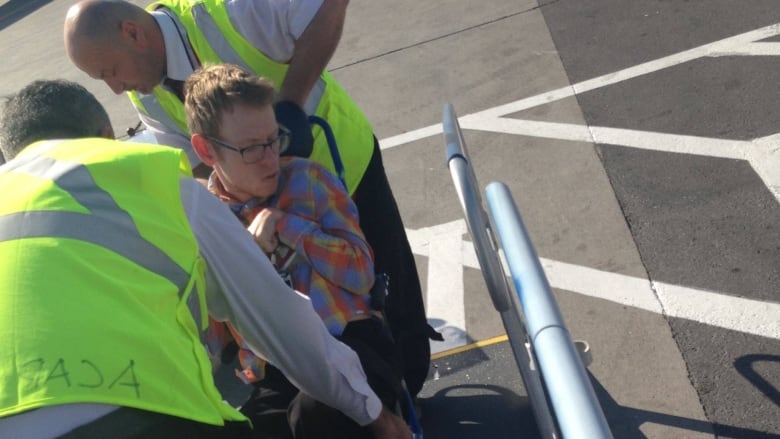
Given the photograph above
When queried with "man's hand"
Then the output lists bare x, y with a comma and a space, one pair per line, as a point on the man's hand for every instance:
389, 426
263, 228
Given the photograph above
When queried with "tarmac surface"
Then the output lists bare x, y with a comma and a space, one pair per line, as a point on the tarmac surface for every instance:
639, 140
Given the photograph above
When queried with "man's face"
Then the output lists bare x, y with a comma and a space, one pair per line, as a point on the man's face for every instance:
246, 126
122, 65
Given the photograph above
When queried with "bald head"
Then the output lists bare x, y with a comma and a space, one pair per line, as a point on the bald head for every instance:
117, 42
100, 21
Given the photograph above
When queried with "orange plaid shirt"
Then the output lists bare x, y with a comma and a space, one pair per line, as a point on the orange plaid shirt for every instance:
322, 250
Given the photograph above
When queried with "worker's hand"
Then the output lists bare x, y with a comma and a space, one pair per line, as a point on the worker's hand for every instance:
263, 228
292, 117
389, 426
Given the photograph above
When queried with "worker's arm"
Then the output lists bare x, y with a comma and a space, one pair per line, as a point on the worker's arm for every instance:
301, 33
313, 51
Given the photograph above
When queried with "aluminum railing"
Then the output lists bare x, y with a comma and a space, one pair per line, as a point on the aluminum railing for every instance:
562, 397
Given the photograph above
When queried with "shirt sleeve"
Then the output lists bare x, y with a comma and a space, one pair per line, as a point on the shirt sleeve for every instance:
331, 242
279, 324
272, 26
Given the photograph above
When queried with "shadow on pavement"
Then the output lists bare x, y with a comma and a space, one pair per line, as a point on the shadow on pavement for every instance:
477, 411
745, 365
478, 393
14, 10
626, 421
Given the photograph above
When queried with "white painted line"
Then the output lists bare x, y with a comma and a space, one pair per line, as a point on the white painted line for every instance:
445, 279
734, 313
752, 49
726, 45
441, 243
420, 239
445, 293
765, 159
410, 136
445, 302
618, 288
730, 149
711, 308
705, 146
763, 154
736, 45
548, 130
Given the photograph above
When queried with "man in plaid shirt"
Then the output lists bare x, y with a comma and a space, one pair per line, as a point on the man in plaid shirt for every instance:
301, 215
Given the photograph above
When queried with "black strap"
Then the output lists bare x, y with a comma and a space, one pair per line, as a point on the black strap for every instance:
123, 422
131, 423
175, 86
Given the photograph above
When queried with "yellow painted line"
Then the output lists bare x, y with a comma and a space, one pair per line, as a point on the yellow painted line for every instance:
468, 347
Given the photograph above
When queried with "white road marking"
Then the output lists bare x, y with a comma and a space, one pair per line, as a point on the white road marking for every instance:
752, 49
411, 136
736, 313
443, 244
763, 154
736, 45
730, 149
618, 288
765, 159
712, 308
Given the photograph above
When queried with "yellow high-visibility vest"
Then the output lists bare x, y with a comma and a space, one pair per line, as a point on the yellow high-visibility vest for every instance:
215, 40
102, 294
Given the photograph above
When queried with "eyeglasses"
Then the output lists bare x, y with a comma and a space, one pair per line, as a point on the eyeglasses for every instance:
255, 153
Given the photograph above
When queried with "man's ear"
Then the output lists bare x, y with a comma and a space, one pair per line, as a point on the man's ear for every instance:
132, 31
107, 132
203, 149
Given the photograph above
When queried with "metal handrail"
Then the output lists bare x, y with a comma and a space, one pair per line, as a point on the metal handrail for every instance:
561, 396
487, 254
476, 219
571, 394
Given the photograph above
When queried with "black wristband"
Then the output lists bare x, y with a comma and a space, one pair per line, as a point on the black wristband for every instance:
292, 117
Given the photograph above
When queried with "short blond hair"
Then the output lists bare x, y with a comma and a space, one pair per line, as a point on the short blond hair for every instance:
215, 89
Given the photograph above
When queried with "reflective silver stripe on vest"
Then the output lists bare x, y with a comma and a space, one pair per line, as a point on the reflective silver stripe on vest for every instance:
315, 96
154, 110
193, 303
107, 225
227, 54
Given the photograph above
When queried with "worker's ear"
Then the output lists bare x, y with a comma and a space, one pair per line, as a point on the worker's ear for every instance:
107, 132
203, 149
133, 32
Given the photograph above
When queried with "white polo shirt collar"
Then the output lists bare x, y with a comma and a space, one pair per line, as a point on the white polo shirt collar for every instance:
180, 61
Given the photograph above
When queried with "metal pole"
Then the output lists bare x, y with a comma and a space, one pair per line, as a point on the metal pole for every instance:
571, 394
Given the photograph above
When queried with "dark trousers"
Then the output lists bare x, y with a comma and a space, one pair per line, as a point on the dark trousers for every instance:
279, 411
130, 423
384, 231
